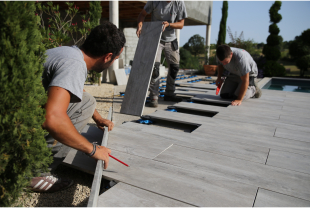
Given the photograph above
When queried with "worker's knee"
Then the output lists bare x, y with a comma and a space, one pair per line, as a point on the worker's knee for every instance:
155, 74
174, 69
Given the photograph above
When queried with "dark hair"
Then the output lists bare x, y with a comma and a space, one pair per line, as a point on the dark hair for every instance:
103, 39
222, 52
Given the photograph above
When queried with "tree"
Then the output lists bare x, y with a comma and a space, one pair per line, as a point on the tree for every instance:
222, 33
95, 11
299, 50
271, 49
195, 45
187, 61
23, 149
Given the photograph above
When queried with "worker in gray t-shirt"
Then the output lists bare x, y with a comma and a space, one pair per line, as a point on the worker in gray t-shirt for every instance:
172, 15
239, 85
69, 107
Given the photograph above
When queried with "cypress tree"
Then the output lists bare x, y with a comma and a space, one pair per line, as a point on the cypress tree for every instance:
23, 149
222, 33
95, 11
271, 49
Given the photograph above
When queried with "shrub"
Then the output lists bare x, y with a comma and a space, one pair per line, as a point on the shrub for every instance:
195, 45
299, 50
273, 68
187, 61
303, 64
272, 49
23, 148
95, 11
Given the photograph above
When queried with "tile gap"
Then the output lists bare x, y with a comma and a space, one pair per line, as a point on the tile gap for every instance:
184, 127
193, 111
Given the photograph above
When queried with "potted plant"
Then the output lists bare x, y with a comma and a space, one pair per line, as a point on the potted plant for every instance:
211, 66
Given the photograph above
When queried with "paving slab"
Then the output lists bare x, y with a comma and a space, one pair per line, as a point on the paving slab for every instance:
204, 143
124, 195
201, 86
272, 178
140, 75
292, 134
144, 145
192, 89
198, 189
295, 120
261, 140
288, 160
266, 198
226, 125
262, 121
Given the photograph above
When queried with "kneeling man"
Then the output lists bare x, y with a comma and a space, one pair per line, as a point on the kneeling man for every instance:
239, 85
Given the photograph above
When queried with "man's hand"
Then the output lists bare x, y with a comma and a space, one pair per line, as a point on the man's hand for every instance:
236, 102
166, 24
101, 123
139, 29
102, 153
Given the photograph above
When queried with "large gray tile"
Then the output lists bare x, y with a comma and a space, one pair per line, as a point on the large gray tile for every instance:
295, 120
288, 160
205, 142
144, 145
266, 198
292, 134
124, 195
259, 175
199, 189
140, 75
262, 140
263, 121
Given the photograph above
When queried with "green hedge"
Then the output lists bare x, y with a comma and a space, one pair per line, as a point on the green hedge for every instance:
23, 149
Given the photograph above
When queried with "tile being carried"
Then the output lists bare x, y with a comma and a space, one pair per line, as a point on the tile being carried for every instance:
259, 175
266, 198
124, 195
288, 160
140, 75
197, 189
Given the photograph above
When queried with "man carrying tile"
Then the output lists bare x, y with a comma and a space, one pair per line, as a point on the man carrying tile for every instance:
69, 107
172, 14
239, 85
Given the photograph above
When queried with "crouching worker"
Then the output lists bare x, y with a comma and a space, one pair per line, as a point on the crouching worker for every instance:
69, 107
239, 85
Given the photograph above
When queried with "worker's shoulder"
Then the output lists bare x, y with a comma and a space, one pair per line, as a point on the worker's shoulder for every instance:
65, 53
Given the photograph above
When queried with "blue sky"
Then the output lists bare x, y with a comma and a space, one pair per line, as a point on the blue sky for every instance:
252, 17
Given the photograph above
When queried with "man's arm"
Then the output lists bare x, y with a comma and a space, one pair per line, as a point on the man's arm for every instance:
59, 125
141, 18
244, 86
177, 25
101, 122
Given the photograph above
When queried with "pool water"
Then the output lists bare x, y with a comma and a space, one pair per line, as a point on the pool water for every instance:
289, 85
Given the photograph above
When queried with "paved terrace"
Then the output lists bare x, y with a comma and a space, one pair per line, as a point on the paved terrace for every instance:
208, 153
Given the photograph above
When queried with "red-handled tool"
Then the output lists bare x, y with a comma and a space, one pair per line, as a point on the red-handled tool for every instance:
218, 89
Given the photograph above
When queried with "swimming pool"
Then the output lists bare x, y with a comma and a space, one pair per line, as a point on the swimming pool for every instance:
287, 84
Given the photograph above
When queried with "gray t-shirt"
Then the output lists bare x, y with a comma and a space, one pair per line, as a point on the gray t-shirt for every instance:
164, 11
241, 63
65, 67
